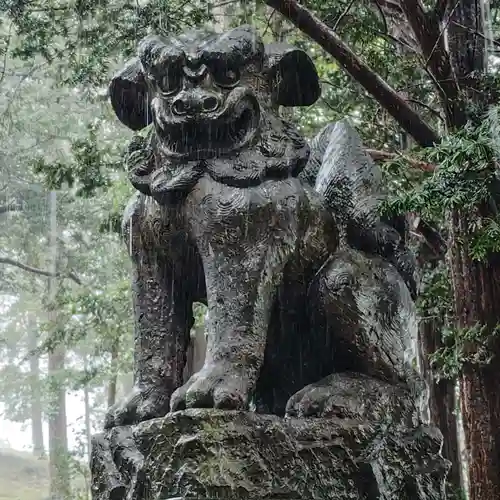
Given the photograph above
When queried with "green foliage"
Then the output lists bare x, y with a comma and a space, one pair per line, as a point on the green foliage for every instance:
90, 166
55, 137
435, 299
87, 35
462, 179
464, 346
16, 382
199, 312
465, 179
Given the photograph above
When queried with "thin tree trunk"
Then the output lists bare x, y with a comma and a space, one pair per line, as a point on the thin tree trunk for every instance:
126, 383
441, 402
196, 351
36, 401
86, 402
58, 439
88, 428
113, 380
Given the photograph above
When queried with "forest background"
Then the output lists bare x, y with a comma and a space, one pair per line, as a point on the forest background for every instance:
419, 80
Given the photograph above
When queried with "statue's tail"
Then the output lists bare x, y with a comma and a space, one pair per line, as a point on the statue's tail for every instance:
352, 186
345, 175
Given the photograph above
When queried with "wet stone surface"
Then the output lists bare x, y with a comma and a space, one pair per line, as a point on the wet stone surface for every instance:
204, 454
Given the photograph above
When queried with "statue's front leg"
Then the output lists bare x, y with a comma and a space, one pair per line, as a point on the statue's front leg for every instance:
245, 237
163, 291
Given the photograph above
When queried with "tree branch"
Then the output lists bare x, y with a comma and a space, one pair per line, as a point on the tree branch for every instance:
430, 236
395, 23
343, 14
397, 107
440, 9
430, 36
378, 155
42, 272
477, 33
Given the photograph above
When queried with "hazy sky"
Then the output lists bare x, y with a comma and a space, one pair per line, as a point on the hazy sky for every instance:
19, 435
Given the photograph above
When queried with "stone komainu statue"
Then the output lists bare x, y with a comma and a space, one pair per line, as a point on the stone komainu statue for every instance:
309, 291
280, 239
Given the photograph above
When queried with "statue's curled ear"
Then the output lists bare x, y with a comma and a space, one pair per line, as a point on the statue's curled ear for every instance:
129, 96
293, 77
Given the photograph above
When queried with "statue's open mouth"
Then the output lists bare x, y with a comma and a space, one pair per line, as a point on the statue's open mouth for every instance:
213, 136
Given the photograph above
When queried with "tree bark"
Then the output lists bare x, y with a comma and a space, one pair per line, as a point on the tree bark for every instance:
36, 400
476, 284
442, 404
58, 439
88, 427
113, 379
441, 401
476, 287
125, 384
196, 351
87, 409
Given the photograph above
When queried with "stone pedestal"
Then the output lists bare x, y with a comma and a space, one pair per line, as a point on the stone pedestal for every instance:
209, 454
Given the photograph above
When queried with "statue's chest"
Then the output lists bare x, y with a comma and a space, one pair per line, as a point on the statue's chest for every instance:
228, 216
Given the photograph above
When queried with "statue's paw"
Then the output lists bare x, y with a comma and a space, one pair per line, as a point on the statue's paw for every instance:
351, 396
139, 405
310, 401
220, 386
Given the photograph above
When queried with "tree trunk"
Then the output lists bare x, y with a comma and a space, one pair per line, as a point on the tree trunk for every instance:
125, 382
36, 400
88, 427
196, 351
86, 403
476, 287
113, 380
441, 402
58, 440
476, 284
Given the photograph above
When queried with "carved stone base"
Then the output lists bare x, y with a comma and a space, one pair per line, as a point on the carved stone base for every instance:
205, 454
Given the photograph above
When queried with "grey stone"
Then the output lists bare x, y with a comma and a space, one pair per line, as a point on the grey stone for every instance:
203, 454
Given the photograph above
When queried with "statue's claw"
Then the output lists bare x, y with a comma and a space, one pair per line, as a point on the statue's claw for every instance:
215, 386
139, 405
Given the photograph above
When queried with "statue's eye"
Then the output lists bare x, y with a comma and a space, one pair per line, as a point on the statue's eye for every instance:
227, 77
170, 82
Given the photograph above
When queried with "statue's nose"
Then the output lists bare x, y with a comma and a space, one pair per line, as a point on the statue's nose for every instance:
191, 103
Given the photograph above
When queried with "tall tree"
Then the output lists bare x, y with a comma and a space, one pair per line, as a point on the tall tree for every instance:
36, 396
58, 439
